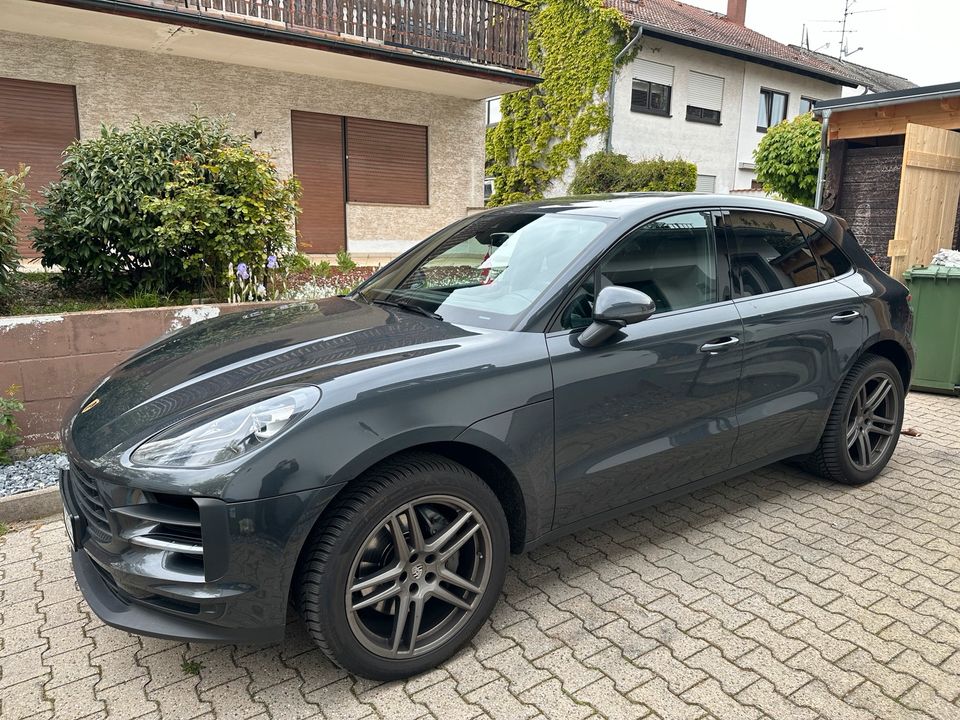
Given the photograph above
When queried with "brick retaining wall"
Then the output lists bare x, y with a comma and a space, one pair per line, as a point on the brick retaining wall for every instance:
54, 358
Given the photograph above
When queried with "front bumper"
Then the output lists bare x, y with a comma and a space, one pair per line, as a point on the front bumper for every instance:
233, 588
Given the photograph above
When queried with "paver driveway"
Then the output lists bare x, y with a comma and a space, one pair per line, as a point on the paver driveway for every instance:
771, 595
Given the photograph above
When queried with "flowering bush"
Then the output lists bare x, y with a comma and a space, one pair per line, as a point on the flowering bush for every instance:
9, 431
250, 285
163, 207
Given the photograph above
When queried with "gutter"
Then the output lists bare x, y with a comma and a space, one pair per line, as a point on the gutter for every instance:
613, 84
822, 167
400, 56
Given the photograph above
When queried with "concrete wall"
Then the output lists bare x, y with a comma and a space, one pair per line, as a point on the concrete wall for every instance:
54, 359
116, 85
716, 149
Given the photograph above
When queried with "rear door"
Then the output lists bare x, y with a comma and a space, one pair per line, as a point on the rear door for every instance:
801, 330
656, 409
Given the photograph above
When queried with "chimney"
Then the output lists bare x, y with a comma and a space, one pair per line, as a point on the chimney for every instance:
737, 11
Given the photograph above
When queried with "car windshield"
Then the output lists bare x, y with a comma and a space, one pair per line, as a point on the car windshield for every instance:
487, 272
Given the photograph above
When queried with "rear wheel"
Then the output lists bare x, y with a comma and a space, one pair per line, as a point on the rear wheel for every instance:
864, 424
405, 567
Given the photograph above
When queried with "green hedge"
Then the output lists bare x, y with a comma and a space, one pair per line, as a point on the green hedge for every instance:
605, 172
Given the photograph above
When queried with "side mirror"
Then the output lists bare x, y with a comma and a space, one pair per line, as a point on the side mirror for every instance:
616, 307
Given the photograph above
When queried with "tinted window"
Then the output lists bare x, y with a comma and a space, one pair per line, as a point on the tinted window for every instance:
830, 258
768, 253
671, 259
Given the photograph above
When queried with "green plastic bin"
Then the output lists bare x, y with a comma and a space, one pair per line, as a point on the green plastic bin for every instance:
935, 302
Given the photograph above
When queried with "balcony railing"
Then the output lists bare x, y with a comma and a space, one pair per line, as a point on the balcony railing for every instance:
481, 31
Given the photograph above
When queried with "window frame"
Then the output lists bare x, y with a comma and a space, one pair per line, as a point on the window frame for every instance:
668, 95
766, 97
807, 98
701, 118
730, 244
724, 288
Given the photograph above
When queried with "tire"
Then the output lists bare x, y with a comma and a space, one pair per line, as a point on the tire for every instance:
448, 584
849, 461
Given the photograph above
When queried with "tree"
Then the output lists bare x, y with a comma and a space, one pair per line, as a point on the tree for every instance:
787, 159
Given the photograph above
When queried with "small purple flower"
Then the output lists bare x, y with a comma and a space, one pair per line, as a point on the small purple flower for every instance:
272, 262
242, 271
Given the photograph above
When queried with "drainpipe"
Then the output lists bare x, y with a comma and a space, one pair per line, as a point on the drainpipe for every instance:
613, 84
822, 169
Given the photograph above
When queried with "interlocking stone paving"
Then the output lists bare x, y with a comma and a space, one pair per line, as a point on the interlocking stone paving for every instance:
772, 595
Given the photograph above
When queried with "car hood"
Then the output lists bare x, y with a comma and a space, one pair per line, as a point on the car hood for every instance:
304, 343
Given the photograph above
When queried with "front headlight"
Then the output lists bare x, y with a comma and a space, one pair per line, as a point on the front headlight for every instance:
210, 439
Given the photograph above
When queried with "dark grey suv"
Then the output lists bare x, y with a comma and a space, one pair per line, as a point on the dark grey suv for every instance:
375, 458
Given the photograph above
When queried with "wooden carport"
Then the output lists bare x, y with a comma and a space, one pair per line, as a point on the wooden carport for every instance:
894, 171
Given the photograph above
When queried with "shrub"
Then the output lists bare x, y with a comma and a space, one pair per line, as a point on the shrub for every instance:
9, 431
787, 159
605, 172
298, 262
345, 263
163, 207
13, 203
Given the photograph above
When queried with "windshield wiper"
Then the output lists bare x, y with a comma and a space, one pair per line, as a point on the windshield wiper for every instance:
410, 307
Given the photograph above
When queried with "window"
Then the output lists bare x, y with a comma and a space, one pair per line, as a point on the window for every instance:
704, 98
806, 104
493, 111
773, 109
830, 258
706, 184
386, 162
489, 187
768, 253
672, 260
652, 87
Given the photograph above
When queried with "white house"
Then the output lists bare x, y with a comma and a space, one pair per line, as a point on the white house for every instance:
705, 88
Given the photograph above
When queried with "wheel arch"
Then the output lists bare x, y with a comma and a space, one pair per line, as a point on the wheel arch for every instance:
894, 351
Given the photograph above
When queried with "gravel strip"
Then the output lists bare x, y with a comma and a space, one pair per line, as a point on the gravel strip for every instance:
31, 474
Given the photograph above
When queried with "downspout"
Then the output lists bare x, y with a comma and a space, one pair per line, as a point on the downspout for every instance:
613, 84
822, 169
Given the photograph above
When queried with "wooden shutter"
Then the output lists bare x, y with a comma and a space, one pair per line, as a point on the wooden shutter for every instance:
705, 91
386, 162
37, 123
653, 72
318, 163
929, 194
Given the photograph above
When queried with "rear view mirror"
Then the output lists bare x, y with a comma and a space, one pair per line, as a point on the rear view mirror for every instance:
616, 307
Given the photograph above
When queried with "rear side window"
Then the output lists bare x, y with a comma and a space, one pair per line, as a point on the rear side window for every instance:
830, 258
768, 253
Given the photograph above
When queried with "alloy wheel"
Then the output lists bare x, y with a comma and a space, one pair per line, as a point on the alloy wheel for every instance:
872, 421
418, 577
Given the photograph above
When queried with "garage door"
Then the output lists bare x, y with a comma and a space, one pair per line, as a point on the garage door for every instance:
318, 163
37, 122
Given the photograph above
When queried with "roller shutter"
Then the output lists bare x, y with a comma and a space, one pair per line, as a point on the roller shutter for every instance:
705, 91
653, 72
37, 122
386, 162
318, 163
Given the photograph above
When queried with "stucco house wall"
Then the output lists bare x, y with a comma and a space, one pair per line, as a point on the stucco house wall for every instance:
717, 150
116, 85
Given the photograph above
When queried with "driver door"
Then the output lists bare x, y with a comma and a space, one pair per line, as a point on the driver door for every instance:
654, 408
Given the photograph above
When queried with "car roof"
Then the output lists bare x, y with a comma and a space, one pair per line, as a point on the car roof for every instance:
636, 206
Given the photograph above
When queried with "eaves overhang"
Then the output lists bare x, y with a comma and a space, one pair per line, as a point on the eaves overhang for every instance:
743, 54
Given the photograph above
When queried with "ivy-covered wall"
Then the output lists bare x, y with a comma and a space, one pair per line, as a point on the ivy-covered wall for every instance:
573, 45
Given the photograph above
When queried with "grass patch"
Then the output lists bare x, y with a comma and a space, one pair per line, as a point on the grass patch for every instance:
39, 293
4, 529
191, 667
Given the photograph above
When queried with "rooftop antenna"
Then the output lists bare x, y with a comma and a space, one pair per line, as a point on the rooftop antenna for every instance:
847, 12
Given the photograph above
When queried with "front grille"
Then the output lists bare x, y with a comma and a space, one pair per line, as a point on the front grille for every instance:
91, 505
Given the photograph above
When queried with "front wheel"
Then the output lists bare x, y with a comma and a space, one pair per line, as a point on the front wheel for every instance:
864, 424
405, 567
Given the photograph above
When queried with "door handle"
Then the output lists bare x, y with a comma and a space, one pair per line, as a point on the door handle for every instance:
719, 345
845, 317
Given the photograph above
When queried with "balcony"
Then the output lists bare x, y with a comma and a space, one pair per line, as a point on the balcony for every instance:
478, 31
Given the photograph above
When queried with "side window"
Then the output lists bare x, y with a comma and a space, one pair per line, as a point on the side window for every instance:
768, 253
673, 260
830, 258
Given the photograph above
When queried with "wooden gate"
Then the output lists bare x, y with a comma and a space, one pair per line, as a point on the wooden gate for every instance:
929, 194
